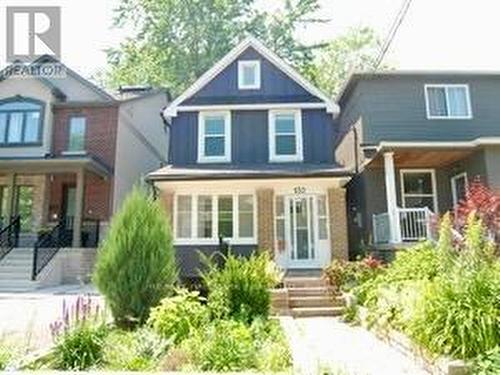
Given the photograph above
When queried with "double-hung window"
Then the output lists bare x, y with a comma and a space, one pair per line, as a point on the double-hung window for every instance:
418, 188
20, 122
204, 218
285, 136
448, 101
76, 134
214, 137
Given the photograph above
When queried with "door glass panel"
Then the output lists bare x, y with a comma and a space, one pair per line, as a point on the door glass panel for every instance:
460, 186
292, 226
70, 201
24, 207
302, 230
3, 205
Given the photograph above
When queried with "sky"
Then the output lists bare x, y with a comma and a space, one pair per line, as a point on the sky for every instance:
435, 34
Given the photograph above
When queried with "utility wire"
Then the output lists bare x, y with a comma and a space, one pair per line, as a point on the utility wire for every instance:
392, 32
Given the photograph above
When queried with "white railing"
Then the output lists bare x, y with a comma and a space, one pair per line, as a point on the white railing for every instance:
415, 225
381, 228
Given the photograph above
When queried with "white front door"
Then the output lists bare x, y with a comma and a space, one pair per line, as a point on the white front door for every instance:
300, 239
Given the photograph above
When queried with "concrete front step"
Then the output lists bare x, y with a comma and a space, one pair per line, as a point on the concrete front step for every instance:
308, 312
310, 292
304, 282
24, 286
316, 301
24, 275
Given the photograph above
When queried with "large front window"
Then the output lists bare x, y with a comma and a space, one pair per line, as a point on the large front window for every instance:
20, 122
214, 137
285, 136
205, 218
418, 189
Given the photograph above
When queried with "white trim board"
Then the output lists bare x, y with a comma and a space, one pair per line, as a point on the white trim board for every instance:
249, 107
171, 110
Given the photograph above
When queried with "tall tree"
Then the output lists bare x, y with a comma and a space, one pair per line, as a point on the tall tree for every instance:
355, 50
177, 40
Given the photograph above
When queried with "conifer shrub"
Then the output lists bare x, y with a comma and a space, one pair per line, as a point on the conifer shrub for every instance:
136, 263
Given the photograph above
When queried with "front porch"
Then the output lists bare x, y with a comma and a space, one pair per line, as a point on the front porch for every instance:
70, 197
419, 185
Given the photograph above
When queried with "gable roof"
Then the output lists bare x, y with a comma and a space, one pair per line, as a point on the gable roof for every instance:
171, 110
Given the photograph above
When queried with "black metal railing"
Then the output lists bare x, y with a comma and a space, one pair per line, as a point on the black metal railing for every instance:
61, 235
47, 246
9, 236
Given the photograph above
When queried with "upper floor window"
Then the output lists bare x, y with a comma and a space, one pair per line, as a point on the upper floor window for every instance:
76, 134
20, 122
214, 137
249, 74
448, 101
285, 135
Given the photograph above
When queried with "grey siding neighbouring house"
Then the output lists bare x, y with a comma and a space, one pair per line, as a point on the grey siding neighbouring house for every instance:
392, 108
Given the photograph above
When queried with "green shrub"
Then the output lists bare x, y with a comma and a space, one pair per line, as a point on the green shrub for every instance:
177, 317
344, 276
231, 345
458, 315
141, 350
488, 363
241, 289
81, 348
224, 345
5, 356
136, 266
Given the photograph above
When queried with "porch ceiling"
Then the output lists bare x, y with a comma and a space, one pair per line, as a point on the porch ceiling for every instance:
53, 165
423, 158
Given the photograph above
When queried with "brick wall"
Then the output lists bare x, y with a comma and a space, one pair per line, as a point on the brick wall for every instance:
338, 223
265, 219
100, 138
97, 201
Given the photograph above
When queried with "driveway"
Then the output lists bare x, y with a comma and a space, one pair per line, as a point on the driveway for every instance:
25, 317
329, 346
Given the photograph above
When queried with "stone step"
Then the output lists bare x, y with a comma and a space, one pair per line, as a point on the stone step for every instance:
308, 312
24, 275
316, 301
309, 292
304, 282
24, 286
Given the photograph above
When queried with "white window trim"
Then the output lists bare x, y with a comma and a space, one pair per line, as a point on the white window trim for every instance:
445, 86
226, 158
404, 195
244, 64
299, 155
453, 182
214, 240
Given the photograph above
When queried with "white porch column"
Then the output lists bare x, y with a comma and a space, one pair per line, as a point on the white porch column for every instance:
392, 204
77, 220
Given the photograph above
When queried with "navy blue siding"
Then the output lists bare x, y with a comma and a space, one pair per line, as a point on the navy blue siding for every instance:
189, 260
276, 86
249, 137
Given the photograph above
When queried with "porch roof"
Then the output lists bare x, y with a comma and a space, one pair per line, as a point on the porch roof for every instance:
427, 153
63, 164
220, 172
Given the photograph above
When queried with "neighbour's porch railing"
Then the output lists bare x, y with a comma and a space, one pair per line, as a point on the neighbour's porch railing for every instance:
414, 223
61, 235
9, 236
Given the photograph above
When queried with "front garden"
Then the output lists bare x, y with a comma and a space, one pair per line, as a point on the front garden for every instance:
443, 296
150, 324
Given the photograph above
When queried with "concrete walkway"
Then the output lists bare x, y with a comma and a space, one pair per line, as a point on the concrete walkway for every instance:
25, 317
328, 346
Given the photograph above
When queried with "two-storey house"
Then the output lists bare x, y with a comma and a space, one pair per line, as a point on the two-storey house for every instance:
69, 153
416, 140
252, 162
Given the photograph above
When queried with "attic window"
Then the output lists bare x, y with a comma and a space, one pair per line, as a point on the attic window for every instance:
249, 75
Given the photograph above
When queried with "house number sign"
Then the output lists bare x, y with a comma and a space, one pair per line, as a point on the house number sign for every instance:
299, 190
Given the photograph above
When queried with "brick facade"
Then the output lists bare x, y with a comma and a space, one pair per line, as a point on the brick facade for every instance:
97, 196
101, 131
338, 223
265, 219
